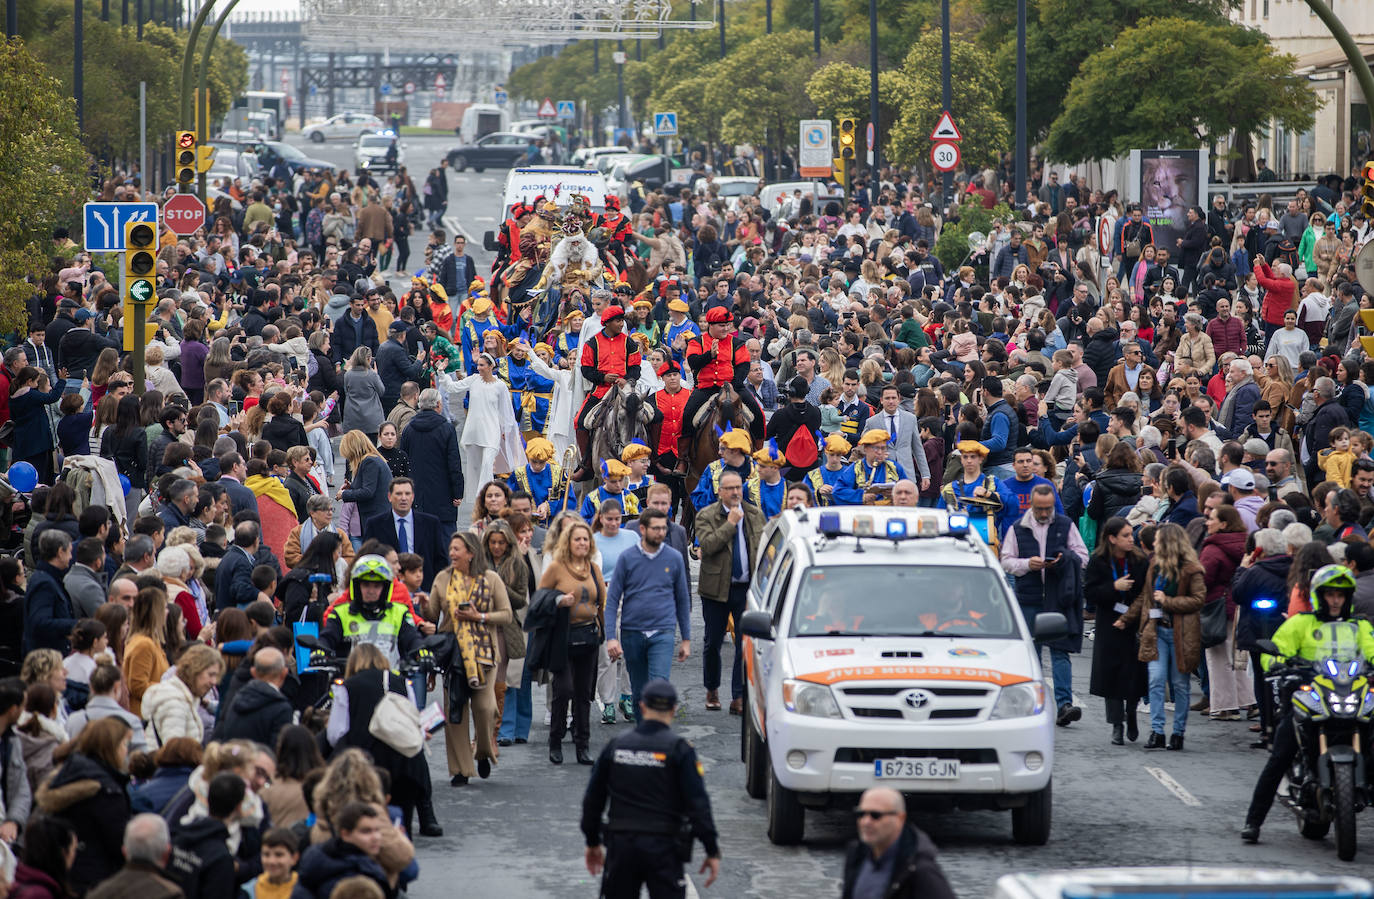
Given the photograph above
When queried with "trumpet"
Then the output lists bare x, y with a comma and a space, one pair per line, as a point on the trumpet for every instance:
564, 484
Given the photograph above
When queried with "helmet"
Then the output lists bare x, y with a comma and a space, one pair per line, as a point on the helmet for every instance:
371, 568
1332, 577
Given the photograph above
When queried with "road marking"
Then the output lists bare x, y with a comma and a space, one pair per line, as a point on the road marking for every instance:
458, 226
488, 179
484, 218
691, 887
1174, 787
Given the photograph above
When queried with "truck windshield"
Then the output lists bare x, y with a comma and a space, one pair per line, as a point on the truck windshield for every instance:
902, 601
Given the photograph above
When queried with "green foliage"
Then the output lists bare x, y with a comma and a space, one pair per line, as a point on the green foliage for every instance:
952, 247
975, 92
1188, 81
1061, 34
42, 173
762, 85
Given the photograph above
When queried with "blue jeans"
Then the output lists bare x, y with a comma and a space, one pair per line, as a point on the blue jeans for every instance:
1061, 666
646, 658
1164, 669
515, 723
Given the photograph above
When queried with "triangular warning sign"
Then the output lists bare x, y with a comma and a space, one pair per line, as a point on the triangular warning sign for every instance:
945, 129
547, 110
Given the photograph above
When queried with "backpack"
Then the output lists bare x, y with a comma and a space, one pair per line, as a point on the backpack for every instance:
801, 450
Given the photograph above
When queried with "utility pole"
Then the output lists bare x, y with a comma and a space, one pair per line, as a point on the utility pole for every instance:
1022, 163
1353, 54
816, 25
875, 160
768, 16
947, 179
622, 120
720, 4
78, 61
12, 18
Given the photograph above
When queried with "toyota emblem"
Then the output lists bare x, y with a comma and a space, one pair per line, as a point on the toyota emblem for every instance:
916, 699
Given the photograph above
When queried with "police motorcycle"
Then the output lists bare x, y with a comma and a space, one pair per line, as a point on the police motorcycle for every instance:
1332, 709
416, 669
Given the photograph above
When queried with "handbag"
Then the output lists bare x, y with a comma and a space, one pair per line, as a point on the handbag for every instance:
1133, 249
588, 633
396, 722
1214, 623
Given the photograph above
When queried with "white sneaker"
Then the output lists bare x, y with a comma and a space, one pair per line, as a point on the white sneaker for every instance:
548, 717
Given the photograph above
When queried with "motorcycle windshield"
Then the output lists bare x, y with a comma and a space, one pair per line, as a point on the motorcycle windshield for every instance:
1338, 649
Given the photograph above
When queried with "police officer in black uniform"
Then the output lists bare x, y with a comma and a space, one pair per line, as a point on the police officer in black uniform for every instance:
658, 806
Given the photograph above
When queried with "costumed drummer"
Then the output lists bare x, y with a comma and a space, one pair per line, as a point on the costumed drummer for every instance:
734, 447
980, 495
769, 490
539, 477
614, 473
855, 484
823, 480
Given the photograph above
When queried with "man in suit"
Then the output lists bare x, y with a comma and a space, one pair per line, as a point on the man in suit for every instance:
458, 270
409, 531
234, 577
233, 471
905, 447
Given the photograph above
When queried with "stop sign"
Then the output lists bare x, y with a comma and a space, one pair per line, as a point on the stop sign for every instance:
184, 214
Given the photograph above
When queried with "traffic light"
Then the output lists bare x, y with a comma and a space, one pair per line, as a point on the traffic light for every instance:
140, 261
185, 158
1367, 191
837, 169
205, 158
847, 138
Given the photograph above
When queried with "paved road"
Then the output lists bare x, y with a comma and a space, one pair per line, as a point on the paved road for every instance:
516, 834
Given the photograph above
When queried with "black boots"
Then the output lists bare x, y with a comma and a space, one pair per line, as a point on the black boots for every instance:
1117, 735
429, 824
1132, 729
583, 756
1250, 833
1154, 741
1176, 741
556, 753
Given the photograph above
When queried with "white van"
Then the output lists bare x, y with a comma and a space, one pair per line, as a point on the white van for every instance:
820, 192
883, 647
553, 182
481, 119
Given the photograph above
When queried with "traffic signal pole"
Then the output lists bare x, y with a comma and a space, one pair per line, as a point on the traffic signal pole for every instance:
188, 64
203, 90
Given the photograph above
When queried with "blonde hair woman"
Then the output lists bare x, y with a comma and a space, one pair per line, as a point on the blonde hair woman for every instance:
350, 777
574, 573
172, 706
144, 660
368, 480
469, 600
1166, 614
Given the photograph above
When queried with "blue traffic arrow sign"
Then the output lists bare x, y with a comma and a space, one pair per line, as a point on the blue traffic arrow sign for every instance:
104, 224
665, 124
386, 89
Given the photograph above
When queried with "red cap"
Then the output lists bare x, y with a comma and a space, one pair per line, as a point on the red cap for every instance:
668, 366
611, 313
717, 315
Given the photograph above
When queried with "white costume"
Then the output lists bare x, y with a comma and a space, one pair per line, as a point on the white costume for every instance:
562, 419
491, 436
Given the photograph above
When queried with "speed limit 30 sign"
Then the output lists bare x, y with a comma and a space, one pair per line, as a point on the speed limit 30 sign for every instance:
944, 155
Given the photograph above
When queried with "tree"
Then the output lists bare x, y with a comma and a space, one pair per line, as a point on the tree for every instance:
952, 247
840, 90
42, 174
1061, 34
762, 87
975, 100
1189, 83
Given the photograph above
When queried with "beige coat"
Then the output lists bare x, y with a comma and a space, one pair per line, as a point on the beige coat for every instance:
1195, 351
1185, 607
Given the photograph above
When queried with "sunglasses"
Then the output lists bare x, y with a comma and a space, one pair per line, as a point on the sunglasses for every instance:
861, 813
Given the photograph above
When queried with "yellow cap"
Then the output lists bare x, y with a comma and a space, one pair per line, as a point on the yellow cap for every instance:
538, 450
679, 306
973, 447
614, 468
737, 440
837, 444
541, 345
635, 451
481, 306
877, 435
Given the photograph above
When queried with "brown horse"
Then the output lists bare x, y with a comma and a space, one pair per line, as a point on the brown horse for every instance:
722, 411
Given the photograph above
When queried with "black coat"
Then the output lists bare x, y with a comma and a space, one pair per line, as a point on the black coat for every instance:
326, 378
1100, 353
201, 864
284, 432
547, 624
395, 366
1117, 673
258, 712
915, 873
345, 339
431, 443
48, 615
1267, 579
429, 541
1115, 491
93, 799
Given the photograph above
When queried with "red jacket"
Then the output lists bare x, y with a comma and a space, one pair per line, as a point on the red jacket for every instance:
1227, 336
1281, 294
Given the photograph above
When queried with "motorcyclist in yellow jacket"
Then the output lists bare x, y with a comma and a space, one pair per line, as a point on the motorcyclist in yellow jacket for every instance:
1304, 636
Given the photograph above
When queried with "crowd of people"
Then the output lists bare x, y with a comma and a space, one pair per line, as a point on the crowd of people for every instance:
1170, 432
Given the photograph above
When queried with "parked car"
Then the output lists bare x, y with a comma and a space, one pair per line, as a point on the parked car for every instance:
270, 150
369, 152
591, 155
346, 125
500, 150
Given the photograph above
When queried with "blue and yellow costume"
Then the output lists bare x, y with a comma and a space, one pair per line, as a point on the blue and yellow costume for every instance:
541, 484
707, 489
822, 475
473, 330
530, 393
629, 504
770, 498
983, 510
671, 331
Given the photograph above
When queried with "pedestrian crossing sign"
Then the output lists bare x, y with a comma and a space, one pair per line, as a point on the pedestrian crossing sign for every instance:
567, 109
665, 124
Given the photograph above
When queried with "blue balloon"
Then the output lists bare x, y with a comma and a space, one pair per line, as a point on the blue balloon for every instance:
23, 477
124, 482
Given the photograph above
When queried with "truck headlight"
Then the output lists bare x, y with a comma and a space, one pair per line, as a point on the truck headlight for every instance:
805, 698
1020, 700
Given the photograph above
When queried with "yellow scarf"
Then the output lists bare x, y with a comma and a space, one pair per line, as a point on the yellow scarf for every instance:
474, 637
264, 485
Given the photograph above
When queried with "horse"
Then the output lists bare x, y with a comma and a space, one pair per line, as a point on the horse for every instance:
724, 411
621, 418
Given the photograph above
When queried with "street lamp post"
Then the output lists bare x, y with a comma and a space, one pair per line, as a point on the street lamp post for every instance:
1022, 163
622, 121
875, 161
947, 179
188, 65
203, 91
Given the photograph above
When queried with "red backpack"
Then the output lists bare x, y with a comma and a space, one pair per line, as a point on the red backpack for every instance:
802, 449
